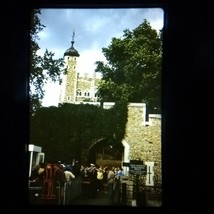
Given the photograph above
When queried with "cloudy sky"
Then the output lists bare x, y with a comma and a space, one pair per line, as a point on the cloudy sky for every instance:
94, 29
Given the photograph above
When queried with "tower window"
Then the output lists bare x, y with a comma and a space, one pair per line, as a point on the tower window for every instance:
87, 94
79, 93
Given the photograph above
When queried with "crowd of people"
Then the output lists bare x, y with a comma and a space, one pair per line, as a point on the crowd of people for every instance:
99, 178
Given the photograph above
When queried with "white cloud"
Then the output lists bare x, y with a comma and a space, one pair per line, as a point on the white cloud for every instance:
52, 91
87, 60
157, 24
44, 34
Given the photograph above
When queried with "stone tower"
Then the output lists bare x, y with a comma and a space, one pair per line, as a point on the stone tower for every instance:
76, 86
69, 81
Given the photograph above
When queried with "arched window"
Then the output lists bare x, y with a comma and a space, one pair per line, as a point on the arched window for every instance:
79, 92
87, 94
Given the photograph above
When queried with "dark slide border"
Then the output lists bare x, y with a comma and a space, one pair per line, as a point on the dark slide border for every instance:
188, 63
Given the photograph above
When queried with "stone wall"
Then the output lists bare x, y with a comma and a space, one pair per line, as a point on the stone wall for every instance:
142, 142
144, 139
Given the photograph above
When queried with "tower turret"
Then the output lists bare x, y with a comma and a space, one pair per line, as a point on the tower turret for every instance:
71, 51
69, 84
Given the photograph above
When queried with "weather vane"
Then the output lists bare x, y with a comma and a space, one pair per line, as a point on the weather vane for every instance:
72, 42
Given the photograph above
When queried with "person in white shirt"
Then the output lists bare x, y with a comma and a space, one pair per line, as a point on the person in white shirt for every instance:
69, 175
111, 182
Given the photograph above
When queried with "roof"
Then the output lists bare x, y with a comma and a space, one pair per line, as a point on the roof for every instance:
71, 52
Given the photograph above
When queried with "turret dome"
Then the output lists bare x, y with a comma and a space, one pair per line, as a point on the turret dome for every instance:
71, 51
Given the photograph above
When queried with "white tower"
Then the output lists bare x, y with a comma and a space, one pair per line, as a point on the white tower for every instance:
69, 81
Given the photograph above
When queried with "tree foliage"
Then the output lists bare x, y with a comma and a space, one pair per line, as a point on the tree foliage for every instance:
42, 68
65, 130
133, 69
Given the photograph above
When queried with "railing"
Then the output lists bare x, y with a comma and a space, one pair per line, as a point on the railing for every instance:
38, 194
71, 190
129, 192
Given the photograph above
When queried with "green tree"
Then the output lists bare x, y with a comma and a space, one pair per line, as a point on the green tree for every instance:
64, 131
42, 68
133, 69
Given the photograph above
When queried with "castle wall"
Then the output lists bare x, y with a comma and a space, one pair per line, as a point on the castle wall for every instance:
144, 140
78, 87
